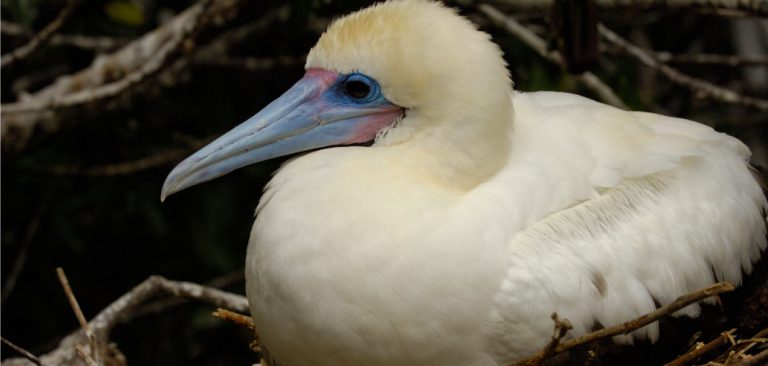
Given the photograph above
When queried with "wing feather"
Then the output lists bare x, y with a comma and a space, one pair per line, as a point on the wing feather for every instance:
663, 207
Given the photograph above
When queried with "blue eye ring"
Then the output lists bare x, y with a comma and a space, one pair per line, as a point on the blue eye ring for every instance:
360, 88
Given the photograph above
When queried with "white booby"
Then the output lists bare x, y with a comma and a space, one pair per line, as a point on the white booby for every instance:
477, 211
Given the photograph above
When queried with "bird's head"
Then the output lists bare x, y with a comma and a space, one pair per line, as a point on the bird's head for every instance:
393, 72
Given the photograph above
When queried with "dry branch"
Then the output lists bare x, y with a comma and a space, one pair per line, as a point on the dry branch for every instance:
710, 59
91, 358
92, 43
67, 354
562, 326
756, 360
41, 38
755, 7
649, 318
634, 324
236, 318
110, 78
20, 261
28, 355
697, 85
739, 349
701, 349
243, 321
590, 80
253, 63
124, 168
157, 285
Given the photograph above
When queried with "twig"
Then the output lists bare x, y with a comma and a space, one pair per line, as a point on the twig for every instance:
702, 349
649, 318
12, 29
740, 347
236, 318
156, 285
697, 85
150, 67
92, 43
21, 257
562, 326
72, 300
28, 355
639, 322
711, 59
124, 168
23, 83
756, 360
87, 358
40, 38
219, 48
253, 63
699, 58
243, 321
755, 7
94, 357
590, 80
101, 325
74, 98
164, 304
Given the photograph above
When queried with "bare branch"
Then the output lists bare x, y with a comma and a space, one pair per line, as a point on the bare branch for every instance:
756, 360
701, 349
87, 358
253, 63
697, 85
755, 7
21, 257
124, 168
93, 358
41, 38
710, 59
163, 304
649, 318
92, 43
109, 77
156, 285
236, 318
739, 349
634, 324
562, 326
101, 325
590, 80
12, 29
28, 355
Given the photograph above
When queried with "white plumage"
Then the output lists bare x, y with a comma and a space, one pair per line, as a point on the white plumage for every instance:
481, 211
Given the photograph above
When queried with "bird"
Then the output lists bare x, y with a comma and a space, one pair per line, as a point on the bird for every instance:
433, 215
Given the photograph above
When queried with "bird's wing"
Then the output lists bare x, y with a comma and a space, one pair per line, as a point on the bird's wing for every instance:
650, 208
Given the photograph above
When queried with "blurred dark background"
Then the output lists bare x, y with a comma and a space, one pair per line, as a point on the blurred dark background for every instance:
86, 197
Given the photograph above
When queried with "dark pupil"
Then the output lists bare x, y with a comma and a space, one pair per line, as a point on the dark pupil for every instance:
356, 89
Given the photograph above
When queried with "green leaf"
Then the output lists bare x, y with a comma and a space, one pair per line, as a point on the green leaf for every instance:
125, 12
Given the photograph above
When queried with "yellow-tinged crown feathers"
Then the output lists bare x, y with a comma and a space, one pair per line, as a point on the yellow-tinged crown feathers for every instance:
421, 52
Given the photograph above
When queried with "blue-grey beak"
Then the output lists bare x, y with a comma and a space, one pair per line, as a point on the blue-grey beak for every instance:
308, 116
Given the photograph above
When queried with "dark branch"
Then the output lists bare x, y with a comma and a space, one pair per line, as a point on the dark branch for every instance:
41, 38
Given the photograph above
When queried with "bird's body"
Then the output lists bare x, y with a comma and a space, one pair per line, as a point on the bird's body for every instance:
408, 271
477, 212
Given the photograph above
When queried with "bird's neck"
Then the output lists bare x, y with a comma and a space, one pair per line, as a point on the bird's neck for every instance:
460, 151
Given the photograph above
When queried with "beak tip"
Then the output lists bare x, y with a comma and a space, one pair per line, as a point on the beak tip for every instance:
164, 194
168, 189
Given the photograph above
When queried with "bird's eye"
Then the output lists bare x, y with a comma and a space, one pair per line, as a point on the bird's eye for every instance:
356, 89
360, 88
